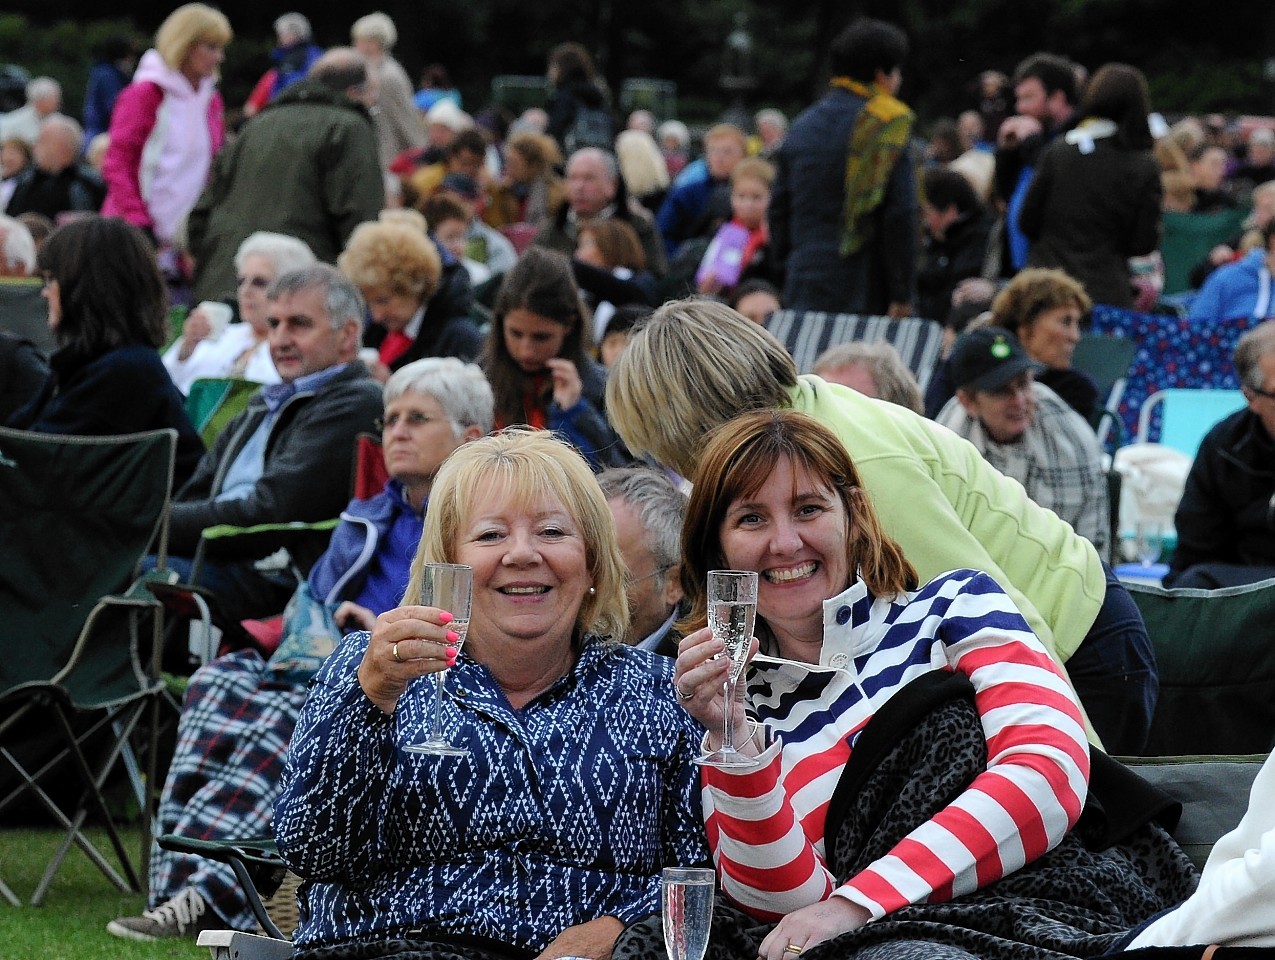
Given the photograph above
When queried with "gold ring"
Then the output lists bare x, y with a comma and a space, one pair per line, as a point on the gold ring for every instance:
394, 650
792, 948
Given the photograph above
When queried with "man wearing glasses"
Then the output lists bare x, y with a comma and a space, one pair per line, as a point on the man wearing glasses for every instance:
1226, 517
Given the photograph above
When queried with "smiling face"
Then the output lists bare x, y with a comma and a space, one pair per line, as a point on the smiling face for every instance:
531, 569
1051, 337
1006, 412
794, 531
532, 340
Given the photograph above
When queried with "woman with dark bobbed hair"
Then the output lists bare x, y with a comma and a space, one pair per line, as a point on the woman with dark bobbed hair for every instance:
1094, 201
107, 310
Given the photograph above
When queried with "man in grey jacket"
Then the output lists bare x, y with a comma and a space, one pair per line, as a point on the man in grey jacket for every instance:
289, 456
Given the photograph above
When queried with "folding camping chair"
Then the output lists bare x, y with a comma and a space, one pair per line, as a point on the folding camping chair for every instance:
79, 647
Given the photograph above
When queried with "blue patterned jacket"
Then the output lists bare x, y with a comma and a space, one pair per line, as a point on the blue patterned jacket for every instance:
565, 811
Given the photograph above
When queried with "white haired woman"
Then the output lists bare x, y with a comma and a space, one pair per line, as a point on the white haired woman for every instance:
242, 349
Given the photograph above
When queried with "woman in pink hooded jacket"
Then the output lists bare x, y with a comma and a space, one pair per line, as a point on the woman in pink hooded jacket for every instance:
168, 124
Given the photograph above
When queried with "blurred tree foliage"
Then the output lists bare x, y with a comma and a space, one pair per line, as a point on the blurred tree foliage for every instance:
1198, 58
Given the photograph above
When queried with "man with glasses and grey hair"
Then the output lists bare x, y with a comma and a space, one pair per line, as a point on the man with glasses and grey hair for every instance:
1226, 518
289, 455
648, 511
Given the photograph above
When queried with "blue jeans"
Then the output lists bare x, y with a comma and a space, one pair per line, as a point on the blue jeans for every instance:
1114, 673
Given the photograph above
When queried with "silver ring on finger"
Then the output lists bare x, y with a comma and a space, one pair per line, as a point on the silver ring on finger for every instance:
394, 651
682, 696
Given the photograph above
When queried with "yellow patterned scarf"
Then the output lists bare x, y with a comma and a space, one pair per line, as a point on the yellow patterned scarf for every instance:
881, 133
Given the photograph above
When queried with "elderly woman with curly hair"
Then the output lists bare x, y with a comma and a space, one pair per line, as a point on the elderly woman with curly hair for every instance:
397, 269
530, 190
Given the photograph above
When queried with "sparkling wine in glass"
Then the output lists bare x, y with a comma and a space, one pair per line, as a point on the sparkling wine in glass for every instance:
447, 586
688, 911
1149, 542
732, 609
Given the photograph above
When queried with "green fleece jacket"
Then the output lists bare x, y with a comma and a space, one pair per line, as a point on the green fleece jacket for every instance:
947, 508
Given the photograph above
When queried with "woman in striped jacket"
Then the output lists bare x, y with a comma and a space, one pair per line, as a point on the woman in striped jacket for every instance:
843, 629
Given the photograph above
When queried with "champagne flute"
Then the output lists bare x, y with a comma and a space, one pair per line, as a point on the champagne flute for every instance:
732, 609
688, 911
448, 586
1149, 542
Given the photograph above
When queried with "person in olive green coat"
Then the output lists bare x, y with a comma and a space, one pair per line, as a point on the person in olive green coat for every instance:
305, 166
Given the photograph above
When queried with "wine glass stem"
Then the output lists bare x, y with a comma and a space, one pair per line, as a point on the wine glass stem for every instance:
436, 724
728, 727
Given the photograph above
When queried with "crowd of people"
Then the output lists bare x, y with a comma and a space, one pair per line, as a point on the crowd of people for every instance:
557, 328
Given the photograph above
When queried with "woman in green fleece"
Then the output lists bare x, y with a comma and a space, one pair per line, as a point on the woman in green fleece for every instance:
696, 364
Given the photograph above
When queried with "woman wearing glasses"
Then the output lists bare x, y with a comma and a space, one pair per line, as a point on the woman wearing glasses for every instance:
240, 350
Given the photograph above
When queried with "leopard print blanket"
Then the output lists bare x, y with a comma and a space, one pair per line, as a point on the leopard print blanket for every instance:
1076, 901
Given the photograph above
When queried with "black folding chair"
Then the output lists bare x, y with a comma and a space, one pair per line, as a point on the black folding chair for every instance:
79, 639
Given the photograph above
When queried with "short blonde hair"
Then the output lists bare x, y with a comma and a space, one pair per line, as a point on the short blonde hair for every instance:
375, 26
755, 168
187, 26
529, 465
641, 163
394, 257
692, 366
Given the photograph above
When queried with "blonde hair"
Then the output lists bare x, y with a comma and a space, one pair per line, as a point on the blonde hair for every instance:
692, 366
641, 163
394, 257
739, 456
528, 466
756, 168
187, 26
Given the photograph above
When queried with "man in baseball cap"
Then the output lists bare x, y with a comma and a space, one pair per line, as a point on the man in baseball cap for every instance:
1027, 431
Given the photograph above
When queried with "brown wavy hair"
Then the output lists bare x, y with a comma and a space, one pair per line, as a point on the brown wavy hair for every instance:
738, 459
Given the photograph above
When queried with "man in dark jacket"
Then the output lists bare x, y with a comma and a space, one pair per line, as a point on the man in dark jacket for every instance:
850, 250
595, 191
58, 181
289, 456
306, 166
1226, 517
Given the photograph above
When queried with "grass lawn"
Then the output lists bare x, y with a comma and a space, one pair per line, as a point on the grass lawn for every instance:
71, 924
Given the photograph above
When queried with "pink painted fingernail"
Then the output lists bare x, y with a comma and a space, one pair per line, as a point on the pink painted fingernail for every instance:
452, 636
451, 653
446, 617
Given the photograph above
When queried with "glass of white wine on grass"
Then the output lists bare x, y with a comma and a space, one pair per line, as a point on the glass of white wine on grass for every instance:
450, 587
688, 910
732, 609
